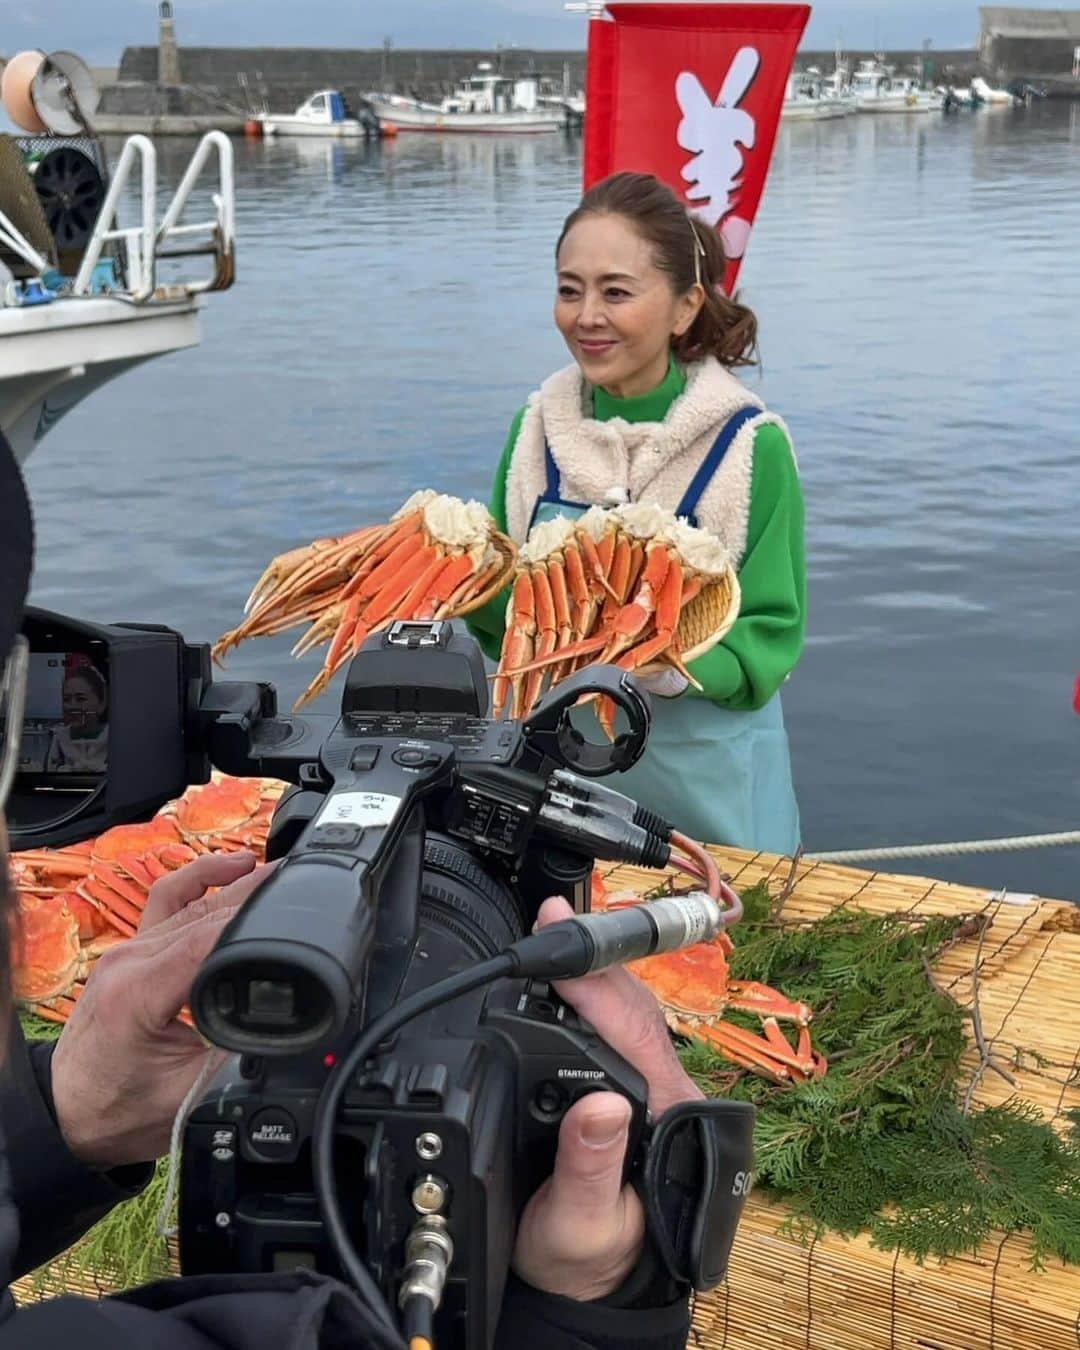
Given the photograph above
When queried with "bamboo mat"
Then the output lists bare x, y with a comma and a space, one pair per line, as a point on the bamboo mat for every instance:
839, 1294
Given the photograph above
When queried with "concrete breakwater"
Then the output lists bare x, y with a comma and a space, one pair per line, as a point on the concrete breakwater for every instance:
226, 83
242, 79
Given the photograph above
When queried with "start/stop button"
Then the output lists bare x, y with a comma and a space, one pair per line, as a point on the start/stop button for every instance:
271, 1133
411, 757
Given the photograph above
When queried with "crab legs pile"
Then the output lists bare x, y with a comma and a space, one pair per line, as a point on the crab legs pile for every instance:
432, 560
608, 587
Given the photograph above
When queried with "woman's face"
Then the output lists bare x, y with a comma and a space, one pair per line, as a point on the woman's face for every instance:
83, 705
615, 308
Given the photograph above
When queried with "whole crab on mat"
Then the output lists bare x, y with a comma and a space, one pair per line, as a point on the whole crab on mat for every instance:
613, 586
695, 989
438, 557
74, 903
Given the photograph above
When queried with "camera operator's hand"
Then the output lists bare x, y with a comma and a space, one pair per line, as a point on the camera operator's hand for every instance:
124, 1063
582, 1233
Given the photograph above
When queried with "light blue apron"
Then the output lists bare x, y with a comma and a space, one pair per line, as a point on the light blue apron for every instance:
716, 774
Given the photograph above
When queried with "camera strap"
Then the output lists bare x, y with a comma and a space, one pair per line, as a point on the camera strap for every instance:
695, 1179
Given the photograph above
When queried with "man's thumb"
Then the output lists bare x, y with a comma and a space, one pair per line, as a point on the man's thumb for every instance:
588, 1174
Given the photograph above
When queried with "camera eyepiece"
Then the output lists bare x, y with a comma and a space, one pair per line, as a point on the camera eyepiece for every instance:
286, 972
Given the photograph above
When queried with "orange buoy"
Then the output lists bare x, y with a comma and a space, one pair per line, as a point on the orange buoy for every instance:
15, 93
253, 127
388, 129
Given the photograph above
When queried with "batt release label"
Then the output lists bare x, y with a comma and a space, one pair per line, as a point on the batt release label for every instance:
366, 809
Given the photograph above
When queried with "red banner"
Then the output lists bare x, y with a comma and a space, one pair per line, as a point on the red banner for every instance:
692, 93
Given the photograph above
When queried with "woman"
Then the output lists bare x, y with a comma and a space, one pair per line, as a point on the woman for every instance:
81, 745
650, 411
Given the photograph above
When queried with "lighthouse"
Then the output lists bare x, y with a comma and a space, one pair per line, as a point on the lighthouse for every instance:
168, 55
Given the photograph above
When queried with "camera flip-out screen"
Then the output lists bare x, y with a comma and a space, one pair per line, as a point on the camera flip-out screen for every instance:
103, 728
65, 733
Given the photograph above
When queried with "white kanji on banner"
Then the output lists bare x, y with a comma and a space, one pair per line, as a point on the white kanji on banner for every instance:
717, 134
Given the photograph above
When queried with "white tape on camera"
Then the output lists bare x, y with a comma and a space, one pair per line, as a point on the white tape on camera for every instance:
366, 809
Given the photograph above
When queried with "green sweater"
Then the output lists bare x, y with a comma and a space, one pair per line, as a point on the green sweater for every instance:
765, 642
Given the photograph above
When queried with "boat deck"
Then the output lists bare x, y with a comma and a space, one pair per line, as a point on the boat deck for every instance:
837, 1294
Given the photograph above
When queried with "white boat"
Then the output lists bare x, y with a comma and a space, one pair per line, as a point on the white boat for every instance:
877, 90
991, 96
837, 85
63, 336
485, 102
805, 100
323, 114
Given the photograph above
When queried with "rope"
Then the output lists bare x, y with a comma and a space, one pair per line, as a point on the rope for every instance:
213, 1061
1015, 843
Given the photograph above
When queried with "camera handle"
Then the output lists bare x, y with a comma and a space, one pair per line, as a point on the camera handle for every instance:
550, 733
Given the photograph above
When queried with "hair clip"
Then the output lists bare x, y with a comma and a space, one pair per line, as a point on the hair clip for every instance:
699, 250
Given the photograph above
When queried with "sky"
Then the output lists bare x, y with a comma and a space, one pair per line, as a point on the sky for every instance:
99, 29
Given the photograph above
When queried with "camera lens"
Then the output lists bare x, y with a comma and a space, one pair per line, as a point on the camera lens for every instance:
460, 898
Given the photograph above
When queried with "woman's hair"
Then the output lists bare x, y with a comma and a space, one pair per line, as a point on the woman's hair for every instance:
688, 251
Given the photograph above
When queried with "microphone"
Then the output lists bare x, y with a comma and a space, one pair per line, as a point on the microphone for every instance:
590, 942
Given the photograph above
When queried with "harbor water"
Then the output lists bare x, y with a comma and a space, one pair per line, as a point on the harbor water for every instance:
919, 299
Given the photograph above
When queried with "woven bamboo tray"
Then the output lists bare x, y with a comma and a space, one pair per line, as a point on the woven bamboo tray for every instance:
838, 1294
709, 616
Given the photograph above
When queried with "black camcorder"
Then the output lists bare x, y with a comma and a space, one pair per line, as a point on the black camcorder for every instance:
399, 1064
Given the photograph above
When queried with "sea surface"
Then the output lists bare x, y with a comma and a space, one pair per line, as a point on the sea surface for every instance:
918, 287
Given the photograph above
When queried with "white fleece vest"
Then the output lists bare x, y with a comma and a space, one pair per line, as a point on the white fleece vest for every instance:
603, 463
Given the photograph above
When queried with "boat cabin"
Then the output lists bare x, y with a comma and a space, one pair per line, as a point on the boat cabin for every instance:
325, 108
487, 92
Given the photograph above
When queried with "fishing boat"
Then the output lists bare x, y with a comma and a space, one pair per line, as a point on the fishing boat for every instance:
876, 89
83, 300
324, 114
806, 100
484, 102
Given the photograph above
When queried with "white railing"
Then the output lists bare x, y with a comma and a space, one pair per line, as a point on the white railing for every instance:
138, 240
145, 242
222, 228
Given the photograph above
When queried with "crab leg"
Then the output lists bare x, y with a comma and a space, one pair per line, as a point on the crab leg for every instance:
285, 566
115, 899
357, 622
546, 636
374, 582
594, 562
459, 570
576, 649
517, 646
630, 621
424, 585
472, 584
750, 996
584, 605
752, 1051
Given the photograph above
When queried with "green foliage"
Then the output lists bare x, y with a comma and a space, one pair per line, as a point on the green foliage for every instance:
38, 1028
882, 1141
121, 1251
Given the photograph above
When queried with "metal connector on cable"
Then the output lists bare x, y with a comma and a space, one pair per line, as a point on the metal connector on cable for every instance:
429, 1250
615, 803
589, 826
